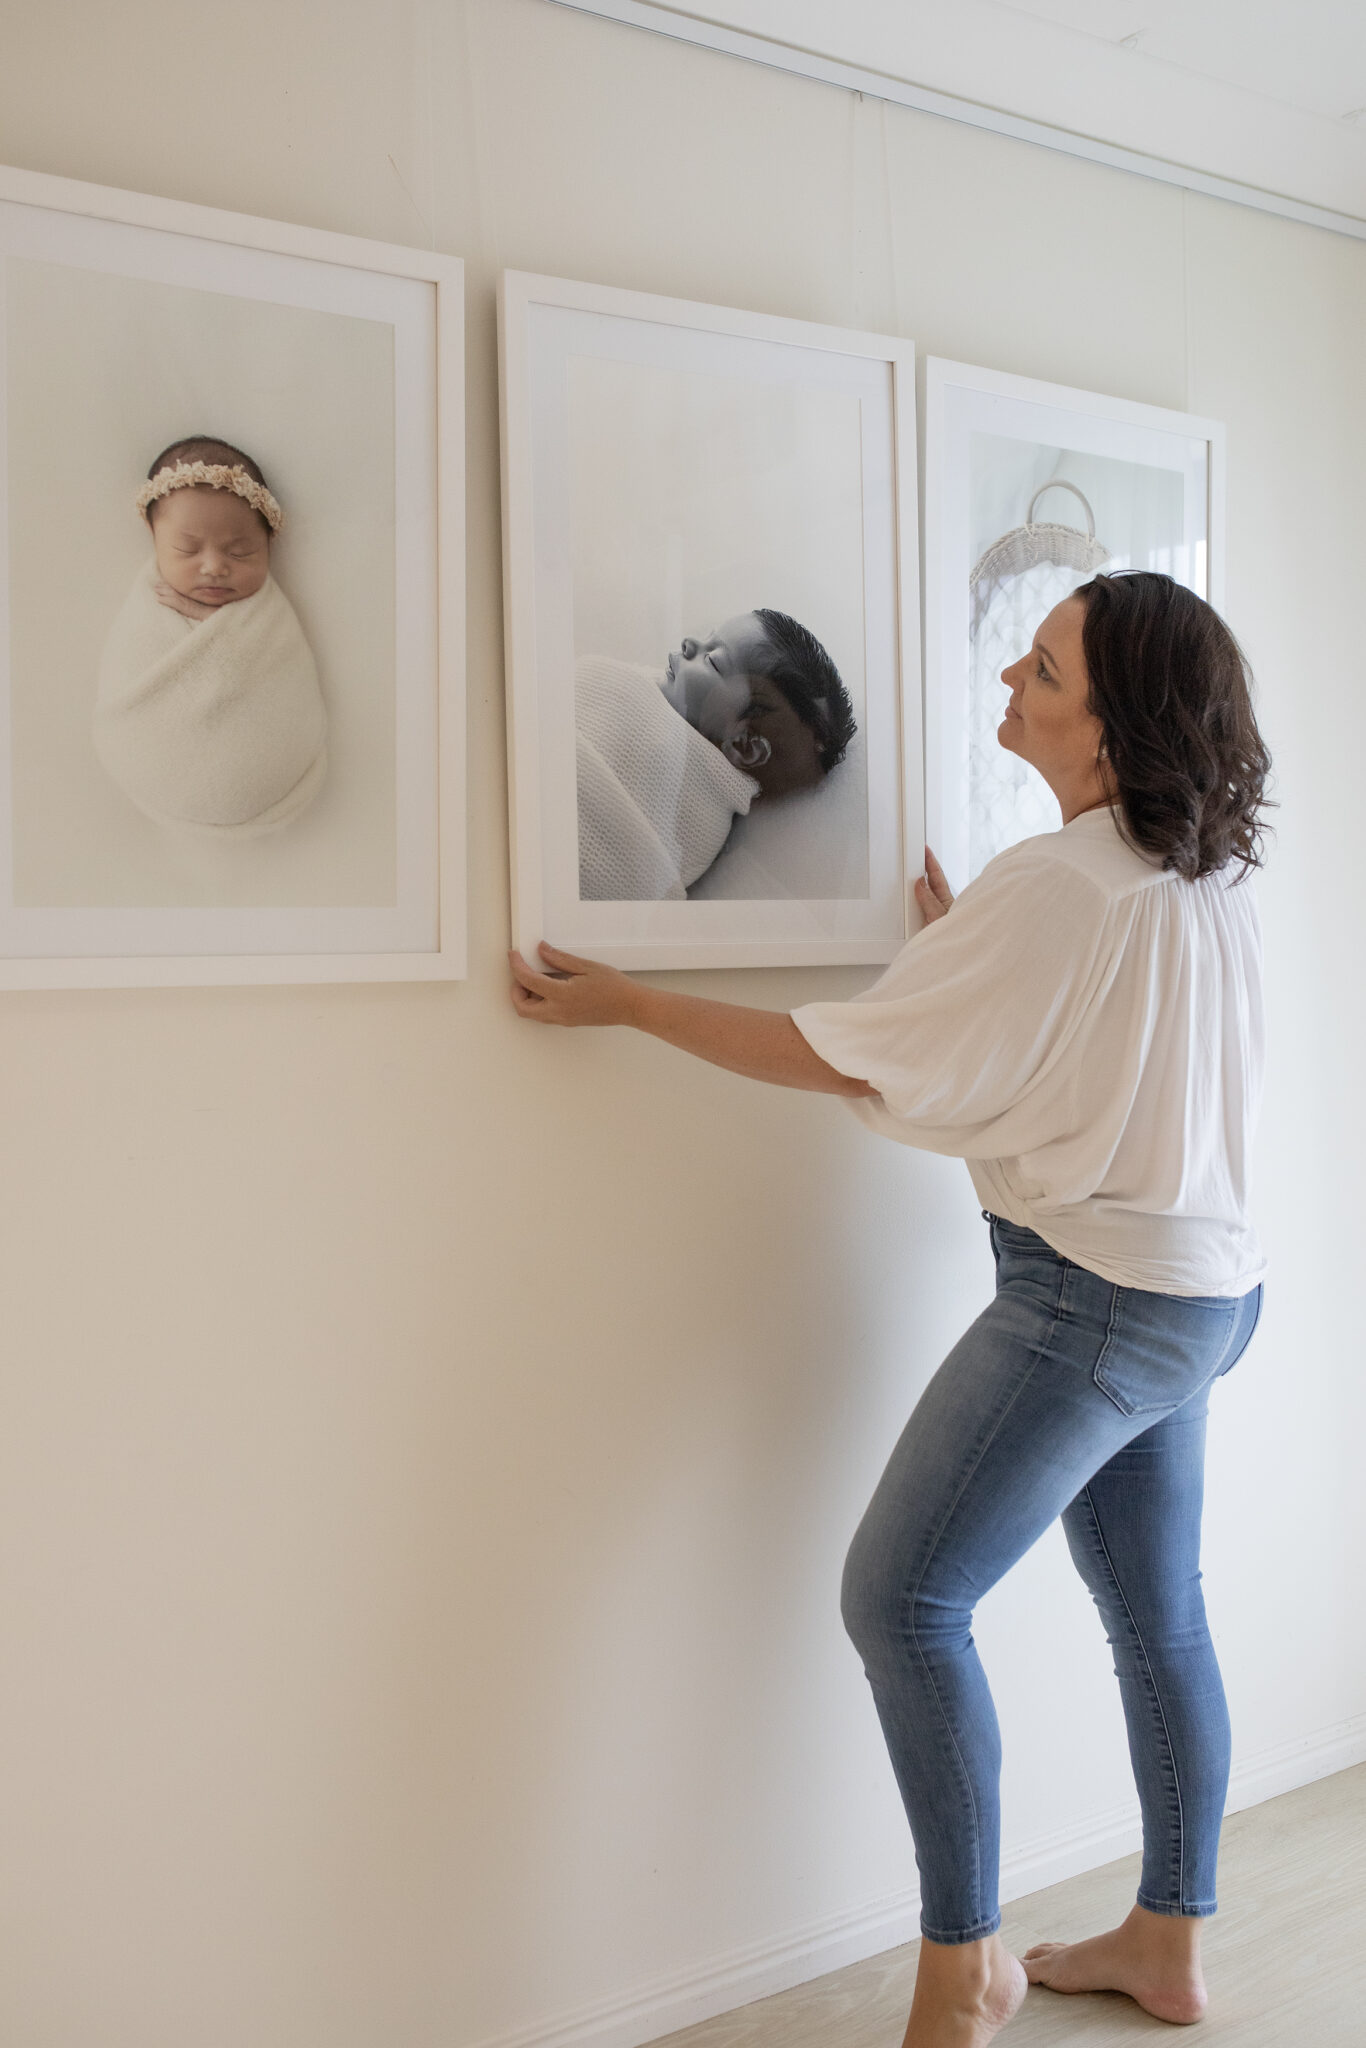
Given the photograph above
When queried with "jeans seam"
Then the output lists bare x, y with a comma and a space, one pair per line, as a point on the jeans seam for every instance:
1156, 1693
914, 1592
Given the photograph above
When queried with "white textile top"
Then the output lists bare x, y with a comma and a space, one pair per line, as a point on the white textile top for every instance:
656, 800
1085, 1029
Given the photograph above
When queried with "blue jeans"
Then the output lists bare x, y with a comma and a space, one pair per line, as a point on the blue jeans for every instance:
1068, 1396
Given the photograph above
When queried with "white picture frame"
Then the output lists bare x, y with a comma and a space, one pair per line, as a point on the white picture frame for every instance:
607, 550
304, 335
992, 443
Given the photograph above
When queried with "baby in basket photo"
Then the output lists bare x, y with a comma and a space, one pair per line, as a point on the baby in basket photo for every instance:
208, 712
668, 759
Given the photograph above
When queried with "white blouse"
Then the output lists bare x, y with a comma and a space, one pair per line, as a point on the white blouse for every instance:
1085, 1029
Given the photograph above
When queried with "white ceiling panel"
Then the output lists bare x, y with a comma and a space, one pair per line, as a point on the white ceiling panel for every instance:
1311, 56
1257, 97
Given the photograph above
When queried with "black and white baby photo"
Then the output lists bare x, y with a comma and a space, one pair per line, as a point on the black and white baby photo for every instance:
718, 624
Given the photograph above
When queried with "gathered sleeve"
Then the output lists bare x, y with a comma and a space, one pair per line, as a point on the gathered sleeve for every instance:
975, 1037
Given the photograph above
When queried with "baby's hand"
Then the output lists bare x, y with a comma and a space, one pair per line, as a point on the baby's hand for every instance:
188, 607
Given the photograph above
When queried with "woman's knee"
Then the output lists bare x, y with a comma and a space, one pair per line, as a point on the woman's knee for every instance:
868, 1600
888, 1612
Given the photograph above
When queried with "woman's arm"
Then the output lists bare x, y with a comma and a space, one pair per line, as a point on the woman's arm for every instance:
764, 1045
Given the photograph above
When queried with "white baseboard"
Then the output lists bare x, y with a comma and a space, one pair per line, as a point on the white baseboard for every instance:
757, 1971
1067, 1852
1302, 1761
1049, 1859
735, 1979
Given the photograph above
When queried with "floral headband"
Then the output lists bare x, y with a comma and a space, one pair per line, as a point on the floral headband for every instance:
220, 477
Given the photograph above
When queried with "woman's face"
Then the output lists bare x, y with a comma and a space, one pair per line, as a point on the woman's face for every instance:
210, 545
1048, 721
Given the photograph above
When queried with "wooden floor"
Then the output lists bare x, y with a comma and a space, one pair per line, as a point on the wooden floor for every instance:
1285, 1957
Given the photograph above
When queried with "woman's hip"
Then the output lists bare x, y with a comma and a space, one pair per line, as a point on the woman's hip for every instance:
1059, 1371
1148, 1353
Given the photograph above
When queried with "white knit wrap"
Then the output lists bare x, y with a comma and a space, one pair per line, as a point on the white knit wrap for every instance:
656, 800
217, 727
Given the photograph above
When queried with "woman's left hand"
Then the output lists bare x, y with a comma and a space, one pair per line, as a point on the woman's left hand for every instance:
577, 992
932, 891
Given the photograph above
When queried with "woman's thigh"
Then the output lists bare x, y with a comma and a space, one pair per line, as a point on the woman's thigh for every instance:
1058, 1373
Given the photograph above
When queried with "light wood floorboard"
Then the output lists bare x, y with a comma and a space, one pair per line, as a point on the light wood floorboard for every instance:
1284, 1957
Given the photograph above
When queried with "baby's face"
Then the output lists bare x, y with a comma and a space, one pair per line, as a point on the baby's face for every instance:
720, 686
708, 679
210, 545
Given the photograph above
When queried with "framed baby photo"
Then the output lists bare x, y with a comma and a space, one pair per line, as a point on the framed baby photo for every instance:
232, 585
1031, 489
712, 630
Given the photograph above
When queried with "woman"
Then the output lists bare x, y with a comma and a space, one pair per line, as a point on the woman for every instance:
1084, 1027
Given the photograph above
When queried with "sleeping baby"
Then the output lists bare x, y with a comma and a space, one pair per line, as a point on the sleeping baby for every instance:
208, 713
668, 760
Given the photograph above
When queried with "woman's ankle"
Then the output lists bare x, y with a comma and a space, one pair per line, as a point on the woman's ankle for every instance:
970, 1969
1177, 1934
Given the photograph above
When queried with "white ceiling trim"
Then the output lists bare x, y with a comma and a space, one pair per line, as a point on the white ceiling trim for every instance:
876, 84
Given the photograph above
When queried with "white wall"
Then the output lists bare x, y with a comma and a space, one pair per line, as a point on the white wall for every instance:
428, 1444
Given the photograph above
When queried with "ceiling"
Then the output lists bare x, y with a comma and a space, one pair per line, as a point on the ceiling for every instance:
1262, 97
1311, 55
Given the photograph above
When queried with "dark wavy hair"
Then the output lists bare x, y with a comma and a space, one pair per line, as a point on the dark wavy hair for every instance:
1172, 691
812, 685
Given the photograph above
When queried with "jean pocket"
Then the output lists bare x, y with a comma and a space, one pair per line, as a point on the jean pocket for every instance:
1160, 1349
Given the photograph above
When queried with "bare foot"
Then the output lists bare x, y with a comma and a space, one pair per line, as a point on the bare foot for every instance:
1153, 1958
964, 1995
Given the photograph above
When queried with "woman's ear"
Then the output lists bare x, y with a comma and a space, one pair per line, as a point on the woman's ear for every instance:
746, 749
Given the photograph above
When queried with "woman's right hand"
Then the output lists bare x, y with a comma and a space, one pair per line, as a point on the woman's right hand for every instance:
569, 990
932, 891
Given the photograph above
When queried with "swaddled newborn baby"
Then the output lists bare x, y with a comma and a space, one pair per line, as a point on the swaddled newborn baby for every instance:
668, 760
208, 713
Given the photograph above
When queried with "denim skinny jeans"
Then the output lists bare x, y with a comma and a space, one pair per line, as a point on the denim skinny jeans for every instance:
1068, 1396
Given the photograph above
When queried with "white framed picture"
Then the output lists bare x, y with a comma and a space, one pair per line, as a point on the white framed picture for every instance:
231, 598
712, 630
1031, 489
